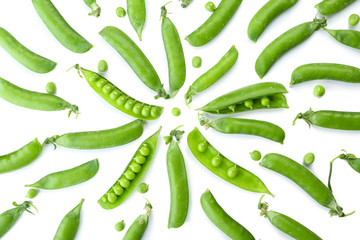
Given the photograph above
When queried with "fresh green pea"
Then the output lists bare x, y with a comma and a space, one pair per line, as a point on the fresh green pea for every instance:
102, 66
329, 7
249, 103
143, 188
138, 227
124, 182
135, 167
140, 159
232, 172
210, 6
137, 15
50, 87
347, 37
111, 197
216, 161
319, 91
129, 174
354, 19
118, 190
95, 9
120, 226
265, 101
176, 111
255, 155
144, 150
32, 193
202, 147
120, 12
196, 62
309, 158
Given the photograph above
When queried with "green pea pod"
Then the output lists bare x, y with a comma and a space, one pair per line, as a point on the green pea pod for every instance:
59, 28
119, 99
331, 119
271, 10
214, 24
329, 71
99, 139
69, 177
132, 174
33, 100
329, 7
185, 3
138, 227
347, 37
233, 102
95, 9
69, 224
284, 43
136, 59
214, 161
137, 14
20, 53
213, 74
9, 217
20, 158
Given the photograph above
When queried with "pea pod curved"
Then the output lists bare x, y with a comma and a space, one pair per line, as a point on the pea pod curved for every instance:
59, 28
347, 37
329, 7
119, 99
284, 43
218, 164
266, 14
137, 15
132, 174
214, 24
138, 227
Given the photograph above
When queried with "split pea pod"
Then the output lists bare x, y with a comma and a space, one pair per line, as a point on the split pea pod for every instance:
304, 179
347, 37
20, 158
95, 9
99, 139
257, 96
266, 14
329, 71
119, 99
329, 7
214, 24
284, 43
33, 100
218, 164
59, 28
331, 119
138, 227
222, 220
68, 178
23, 55
213, 74
136, 59
245, 126
174, 53
137, 15
69, 224
132, 174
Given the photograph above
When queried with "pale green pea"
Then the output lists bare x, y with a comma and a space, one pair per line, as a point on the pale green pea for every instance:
210, 6
144, 150
255, 155
265, 101
249, 103
120, 12
50, 87
196, 62
120, 226
32, 193
125, 183
140, 159
319, 91
102, 66
111, 197
354, 19
143, 188
118, 190
129, 174
309, 158
216, 161
176, 111
202, 147
135, 167
232, 172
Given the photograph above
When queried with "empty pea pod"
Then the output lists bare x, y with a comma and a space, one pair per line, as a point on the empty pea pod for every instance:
69, 177
284, 43
214, 24
266, 14
132, 174
331, 119
137, 15
33, 100
95, 9
138, 227
59, 28
222, 220
20, 158
213, 74
347, 37
329, 7
119, 99
218, 164
99, 139
257, 96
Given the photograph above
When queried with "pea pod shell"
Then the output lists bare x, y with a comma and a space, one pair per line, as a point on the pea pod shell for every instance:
347, 37
137, 228
59, 28
137, 15
20, 158
354, 164
9, 217
69, 177
329, 7
214, 24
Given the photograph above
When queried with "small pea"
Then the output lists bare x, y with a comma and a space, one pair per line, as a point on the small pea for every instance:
118, 190
255, 155
93, 78
154, 112
108, 88
32, 193
140, 159
196, 62
125, 183
144, 150
265, 101
145, 111
50, 87
120, 12
121, 100
129, 174
249, 103
232, 107
176, 111
232, 172
102, 66
216, 161
115, 94
143, 188
319, 91
202, 146
137, 108
111, 197
210, 6
353, 19
100, 83
104, 199
309, 158
129, 104
135, 167
120, 226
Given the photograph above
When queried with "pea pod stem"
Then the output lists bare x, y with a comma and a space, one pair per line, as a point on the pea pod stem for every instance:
95, 9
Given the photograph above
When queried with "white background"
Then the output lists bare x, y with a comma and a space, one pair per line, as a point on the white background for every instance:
19, 125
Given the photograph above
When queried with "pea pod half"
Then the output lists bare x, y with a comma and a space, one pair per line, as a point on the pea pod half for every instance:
347, 37
329, 7
214, 161
249, 98
132, 174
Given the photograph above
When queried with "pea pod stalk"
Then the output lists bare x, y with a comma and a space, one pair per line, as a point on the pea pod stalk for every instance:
95, 9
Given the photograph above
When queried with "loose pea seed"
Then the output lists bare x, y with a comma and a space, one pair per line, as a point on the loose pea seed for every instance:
50, 87
121, 100
154, 112
118, 190
196, 62
125, 183
120, 12
129, 174
176, 111
210, 6
265, 101
102, 66
129, 104
216, 161
319, 91
202, 146
249, 103
309, 158
135, 167
145, 111
120, 226
353, 19
140, 159
137, 108
32, 193
108, 88
144, 150
143, 188
255, 155
111, 197
232, 172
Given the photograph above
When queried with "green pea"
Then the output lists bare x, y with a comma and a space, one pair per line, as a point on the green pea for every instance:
145, 111
202, 146
50, 87
216, 161
129, 104
111, 197
102, 66
265, 101
104, 199
210, 6
353, 19
120, 226
93, 78
249, 103
232, 172
319, 91
118, 190
115, 94
309, 158
144, 150
121, 100
196, 62
140, 159
125, 183
176, 111
120, 12
143, 188
135, 167
129, 174
101, 83
255, 155
107, 89
154, 112
232, 107
32, 193
137, 108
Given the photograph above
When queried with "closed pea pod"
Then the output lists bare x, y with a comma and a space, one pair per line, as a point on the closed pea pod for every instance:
329, 7
95, 9
138, 227
59, 28
214, 24
137, 15
213, 74
347, 37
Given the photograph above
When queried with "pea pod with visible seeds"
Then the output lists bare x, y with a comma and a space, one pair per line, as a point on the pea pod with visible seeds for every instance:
95, 9
138, 227
329, 7
137, 15
132, 174
347, 37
